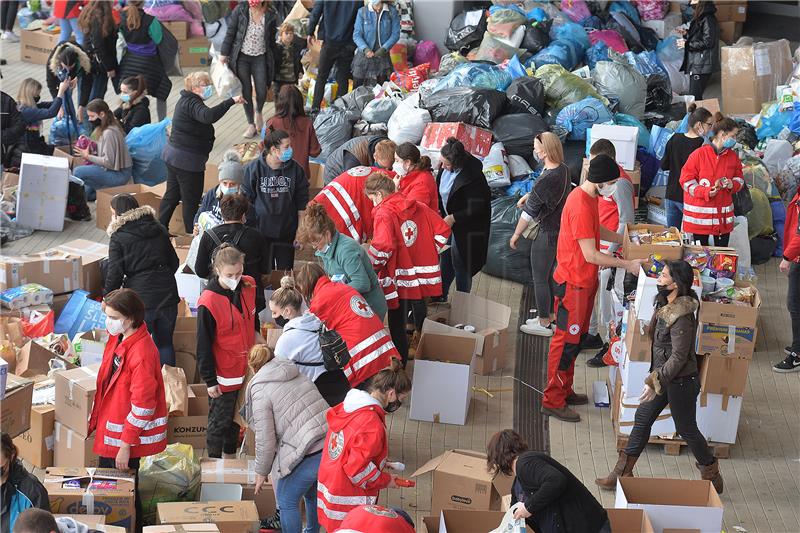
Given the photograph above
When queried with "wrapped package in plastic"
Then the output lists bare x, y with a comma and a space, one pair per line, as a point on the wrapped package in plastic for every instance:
624, 82
170, 476
427, 52
475, 76
450, 61
494, 50
776, 154
788, 179
399, 56
495, 167
576, 10
740, 241
535, 39
562, 88
478, 107
504, 22
577, 117
611, 38
466, 30
145, 145
407, 123
501, 260
526, 95
515, 39
773, 121
517, 131
379, 110
333, 127
652, 9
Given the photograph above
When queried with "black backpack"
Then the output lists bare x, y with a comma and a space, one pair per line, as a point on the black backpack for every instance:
335, 354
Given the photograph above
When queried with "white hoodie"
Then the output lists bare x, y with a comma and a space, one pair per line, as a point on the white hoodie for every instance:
300, 343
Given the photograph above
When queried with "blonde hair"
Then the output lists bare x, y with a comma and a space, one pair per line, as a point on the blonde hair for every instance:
133, 14
386, 149
287, 295
29, 88
196, 79
260, 355
378, 182
551, 146
227, 254
315, 223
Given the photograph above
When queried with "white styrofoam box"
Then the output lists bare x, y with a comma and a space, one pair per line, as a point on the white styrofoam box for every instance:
656, 214
663, 28
646, 291
42, 193
664, 425
624, 139
718, 419
633, 374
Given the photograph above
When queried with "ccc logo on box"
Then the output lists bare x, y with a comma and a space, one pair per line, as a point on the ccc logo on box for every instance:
210, 509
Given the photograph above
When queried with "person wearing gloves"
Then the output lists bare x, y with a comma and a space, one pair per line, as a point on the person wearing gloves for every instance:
673, 380
344, 260
408, 237
141, 258
353, 467
135, 108
365, 518
578, 258
790, 265
19, 489
414, 178
129, 415
342, 309
225, 334
299, 342
287, 415
230, 173
34, 111
277, 187
112, 165
376, 30
700, 47
710, 178
552, 499
190, 142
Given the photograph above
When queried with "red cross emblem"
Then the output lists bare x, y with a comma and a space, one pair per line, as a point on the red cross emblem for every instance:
409, 232
360, 307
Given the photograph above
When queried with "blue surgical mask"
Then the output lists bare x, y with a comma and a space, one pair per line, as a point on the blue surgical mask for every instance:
208, 92
125, 97
286, 155
729, 143
228, 190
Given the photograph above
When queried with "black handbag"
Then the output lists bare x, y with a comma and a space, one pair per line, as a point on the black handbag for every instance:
335, 354
742, 202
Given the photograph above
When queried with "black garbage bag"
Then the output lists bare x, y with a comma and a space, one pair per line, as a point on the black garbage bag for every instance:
620, 23
747, 134
525, 95
356, 100
517, 131
478, 107
761, 247
648, 37
501, 260
659, 93
461, 35
536, 38
574, 152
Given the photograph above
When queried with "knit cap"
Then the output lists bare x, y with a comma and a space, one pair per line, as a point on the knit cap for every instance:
230, 168
602, 169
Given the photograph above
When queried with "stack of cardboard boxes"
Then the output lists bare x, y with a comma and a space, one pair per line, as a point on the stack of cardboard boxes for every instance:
751, 73
731, 15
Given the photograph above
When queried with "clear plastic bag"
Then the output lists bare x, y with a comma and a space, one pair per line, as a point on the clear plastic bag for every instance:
170, 476
407, 123
494, 50
10, 230
504, 22
450, 61
379, 110
788, 179
562, 88
475, 76
145, 145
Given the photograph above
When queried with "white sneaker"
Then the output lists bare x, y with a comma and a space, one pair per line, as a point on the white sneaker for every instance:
536, 329
10, 36
532, 321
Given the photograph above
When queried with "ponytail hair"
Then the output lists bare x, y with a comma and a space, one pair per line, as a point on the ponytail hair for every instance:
409, 152
392, 377
287, 295
227, 254
133, 14
315, 223
260, 355
697, 114
378, 182
723, 124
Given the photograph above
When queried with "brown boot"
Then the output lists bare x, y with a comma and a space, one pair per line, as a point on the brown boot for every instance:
711, 472
623, 468
565, 414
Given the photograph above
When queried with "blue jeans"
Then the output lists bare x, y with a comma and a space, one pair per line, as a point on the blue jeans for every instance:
96, 177
99, 85
68, 26
453, 267
161, 325
674, 213
301, 483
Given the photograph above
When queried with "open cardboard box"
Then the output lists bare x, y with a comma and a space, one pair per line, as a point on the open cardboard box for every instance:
191, 429
75, 390
240, 472
73, 449
644, 251
629, 521
721, 374
15, 409
453, 521
58, 271
116, 501
718, 416
145, 196
728, 329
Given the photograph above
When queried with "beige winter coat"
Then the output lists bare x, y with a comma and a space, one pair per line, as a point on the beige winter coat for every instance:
287, 415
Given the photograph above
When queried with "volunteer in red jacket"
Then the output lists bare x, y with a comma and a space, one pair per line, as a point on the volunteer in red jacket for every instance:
414, 178
790, 264
351, 472
376, 519
225, 334
407, 239
341, 308
710, 178
344, 197
130, 410
578, 257
67, 13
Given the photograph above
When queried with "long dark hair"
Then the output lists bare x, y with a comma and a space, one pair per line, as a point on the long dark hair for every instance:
289, 104
682, 275
503, 448
699, 8
97, 13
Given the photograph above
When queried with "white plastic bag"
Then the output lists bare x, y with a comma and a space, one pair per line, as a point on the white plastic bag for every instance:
518, 167
407, 123
495, 167
215, 33
740, 242
510, 524
225, 81
776, 154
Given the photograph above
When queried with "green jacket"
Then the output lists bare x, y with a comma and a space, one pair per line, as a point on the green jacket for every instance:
347, 262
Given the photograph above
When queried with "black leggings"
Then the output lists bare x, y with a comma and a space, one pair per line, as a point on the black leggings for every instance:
183, 187
697, 85
397, 328
719, 240
8, 14
222, 434
133, 464
252, 72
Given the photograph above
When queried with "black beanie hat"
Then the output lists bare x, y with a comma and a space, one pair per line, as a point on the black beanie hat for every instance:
602, 169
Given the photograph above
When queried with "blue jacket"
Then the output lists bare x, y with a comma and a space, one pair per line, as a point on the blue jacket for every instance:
366, 23
34, 116
210, 202
21, 491
338, 17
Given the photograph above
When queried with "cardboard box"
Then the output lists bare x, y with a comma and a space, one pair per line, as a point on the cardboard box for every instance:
476, 140
624, 139
211, 176
68, 153
182, 528
664, 28
178, 28
116, 503
490, 320
189, 285
725, 375
91, 254
230, 517
727, 329
461, 481
58, 271
184, 339
36, 445
644, 251
33, 360
35, 46
443, 377
729, 32
240, 472
188, 363
191, 429
317, 178
91, 520
750, 74
629, 521
672, 503
712, 105
42, 193
145, 196
90, 346
731, 11
194, 52
623, 412
15, 409
80, 314
718, 417
72, 449
75, 391
635, 175
638, 346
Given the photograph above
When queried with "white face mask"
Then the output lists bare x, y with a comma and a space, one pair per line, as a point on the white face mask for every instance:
607, 190
115, 326
399, 169
230, 283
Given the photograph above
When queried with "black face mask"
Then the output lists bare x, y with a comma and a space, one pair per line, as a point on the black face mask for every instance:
96, 122
663, 290
393, 406
281, 321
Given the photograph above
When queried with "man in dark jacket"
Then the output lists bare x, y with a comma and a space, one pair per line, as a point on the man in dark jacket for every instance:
12, 127
336, 33
358, 151
19, 490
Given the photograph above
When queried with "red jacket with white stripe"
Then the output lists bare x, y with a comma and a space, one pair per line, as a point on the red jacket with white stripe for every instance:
791, 230
704, 214
374, 519
235, 333
420, 185
345, 202
351, 470
405, 249
129, 405
341, 308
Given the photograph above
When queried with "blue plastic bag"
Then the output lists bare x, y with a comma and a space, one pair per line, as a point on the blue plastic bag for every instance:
475, 76
621, 119
658, 140
628, 9
775, 121
596, 53
145, 145
513, 7
518, 188
683, 127
794, 122
538, 14
571, 31
578, 117
667, 50
592, 23
778, 222
564, 53
515, 69
65, 131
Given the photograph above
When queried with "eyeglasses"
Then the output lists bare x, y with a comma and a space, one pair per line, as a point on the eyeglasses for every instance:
709, 124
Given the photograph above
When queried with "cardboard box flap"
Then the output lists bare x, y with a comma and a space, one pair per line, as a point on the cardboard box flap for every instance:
487, 316
446, 348
58, 474
431, 465
182, 528
629, 521
677, 492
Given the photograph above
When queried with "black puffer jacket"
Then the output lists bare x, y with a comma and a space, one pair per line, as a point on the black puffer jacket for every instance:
82, 71
102, 50
135, 115
193, 123
12, 127
673, 341
237, 28
141, 257
701, 53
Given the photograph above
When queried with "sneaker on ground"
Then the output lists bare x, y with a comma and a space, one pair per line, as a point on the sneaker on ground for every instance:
250, 132
273, 523
597, 360
592, 342
536, 329
787, 350
10, 36
790, 364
